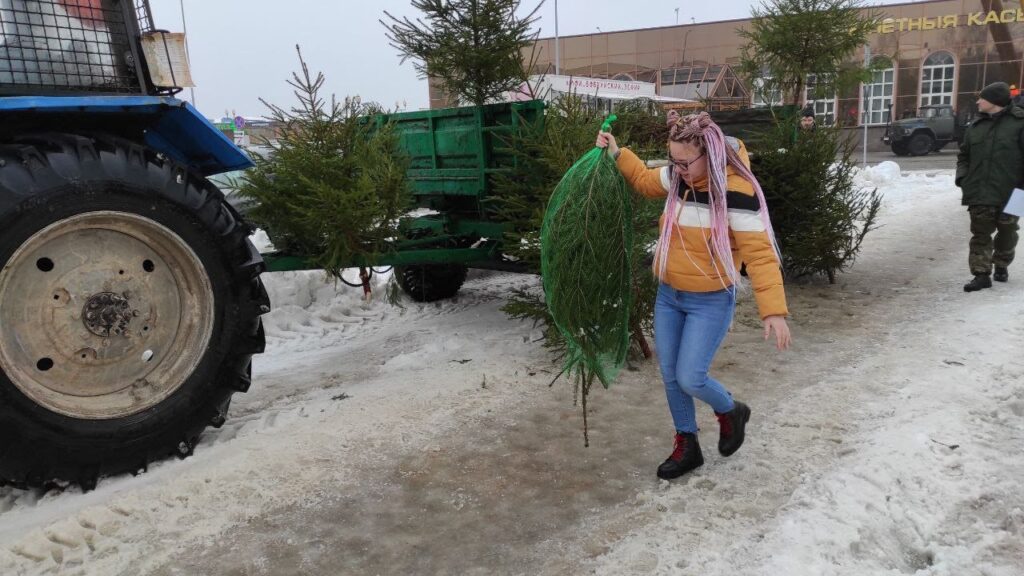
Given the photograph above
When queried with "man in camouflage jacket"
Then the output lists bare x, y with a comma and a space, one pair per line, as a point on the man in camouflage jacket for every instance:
990, 165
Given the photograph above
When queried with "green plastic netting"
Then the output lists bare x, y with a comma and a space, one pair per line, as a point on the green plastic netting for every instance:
586, 244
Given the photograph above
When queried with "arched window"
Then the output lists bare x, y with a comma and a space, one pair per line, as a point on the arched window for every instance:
937, 79
877, 98
623, 77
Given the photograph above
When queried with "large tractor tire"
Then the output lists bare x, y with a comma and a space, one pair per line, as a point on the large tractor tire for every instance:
130, 305
920, 144
431, 282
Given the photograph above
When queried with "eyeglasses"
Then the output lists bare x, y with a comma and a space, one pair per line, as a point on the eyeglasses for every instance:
685, 164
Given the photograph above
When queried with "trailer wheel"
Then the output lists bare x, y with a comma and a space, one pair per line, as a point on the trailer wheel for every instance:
431, 282
130, 302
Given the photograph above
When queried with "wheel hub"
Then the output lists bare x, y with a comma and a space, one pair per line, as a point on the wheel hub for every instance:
104, 315
107, 314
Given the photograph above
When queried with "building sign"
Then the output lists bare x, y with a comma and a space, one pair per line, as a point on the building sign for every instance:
601, 87
890, 25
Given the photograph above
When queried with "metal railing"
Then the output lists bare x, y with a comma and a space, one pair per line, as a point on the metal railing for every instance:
145, 16
69, 46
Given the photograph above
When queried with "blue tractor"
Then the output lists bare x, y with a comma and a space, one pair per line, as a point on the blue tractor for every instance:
130, 294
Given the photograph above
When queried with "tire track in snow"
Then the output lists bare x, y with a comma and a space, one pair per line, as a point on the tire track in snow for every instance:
47, 542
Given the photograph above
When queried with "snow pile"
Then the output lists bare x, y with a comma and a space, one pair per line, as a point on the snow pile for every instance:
915, 188
262, 242
309, 305
905, 191
882, 174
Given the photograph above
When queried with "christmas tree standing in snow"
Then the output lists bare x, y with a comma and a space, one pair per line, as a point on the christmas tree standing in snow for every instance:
333, 186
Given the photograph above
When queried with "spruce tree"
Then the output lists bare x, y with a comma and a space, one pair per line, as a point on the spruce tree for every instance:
473, 48
820, 216
333, 185
788, 40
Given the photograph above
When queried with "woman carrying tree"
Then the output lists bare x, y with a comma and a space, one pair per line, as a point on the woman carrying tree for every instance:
714, 218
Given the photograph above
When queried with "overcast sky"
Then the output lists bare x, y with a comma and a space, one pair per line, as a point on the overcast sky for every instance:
245, 49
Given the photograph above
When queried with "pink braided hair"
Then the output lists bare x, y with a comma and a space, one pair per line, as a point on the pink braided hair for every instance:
700, 130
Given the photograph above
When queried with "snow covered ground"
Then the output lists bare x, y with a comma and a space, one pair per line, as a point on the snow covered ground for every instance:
425, 439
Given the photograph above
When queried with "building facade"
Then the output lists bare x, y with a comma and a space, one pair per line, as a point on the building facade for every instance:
931, 52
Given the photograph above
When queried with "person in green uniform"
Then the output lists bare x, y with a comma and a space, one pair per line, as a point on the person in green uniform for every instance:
989, 167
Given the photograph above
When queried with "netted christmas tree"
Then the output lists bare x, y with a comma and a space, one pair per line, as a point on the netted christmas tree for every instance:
333, 186
544, 154
586, 248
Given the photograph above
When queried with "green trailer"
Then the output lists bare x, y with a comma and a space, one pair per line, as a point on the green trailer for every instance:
455, 155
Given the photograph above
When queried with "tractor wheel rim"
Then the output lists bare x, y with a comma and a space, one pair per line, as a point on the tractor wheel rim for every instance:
104, 315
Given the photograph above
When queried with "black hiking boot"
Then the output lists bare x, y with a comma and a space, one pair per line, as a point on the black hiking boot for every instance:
685, 456
980, 282
1001, 275
733, 428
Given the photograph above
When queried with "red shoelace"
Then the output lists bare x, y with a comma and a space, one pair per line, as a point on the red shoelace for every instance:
726, 423
680, 447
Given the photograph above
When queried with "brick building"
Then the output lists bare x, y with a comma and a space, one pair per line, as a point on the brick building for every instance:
937, 51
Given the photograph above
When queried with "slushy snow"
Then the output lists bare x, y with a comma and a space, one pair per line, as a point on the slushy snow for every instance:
424, 439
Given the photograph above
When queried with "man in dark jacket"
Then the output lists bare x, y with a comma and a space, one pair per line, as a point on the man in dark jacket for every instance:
807, 121
990, 165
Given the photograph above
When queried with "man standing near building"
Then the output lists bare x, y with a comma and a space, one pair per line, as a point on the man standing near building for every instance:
807, 121
990, 165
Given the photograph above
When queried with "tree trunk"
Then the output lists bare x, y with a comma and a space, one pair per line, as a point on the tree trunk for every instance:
798, 92
641, 339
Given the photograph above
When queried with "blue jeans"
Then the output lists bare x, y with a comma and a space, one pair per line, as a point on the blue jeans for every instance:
688, 329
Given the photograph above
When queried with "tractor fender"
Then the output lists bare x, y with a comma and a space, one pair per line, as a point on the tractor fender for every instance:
167, 125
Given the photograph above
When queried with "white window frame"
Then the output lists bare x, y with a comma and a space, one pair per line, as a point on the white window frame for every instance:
875, 104
757, 96
936, 76
824, 108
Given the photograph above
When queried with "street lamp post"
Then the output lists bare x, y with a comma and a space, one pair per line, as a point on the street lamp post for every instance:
867, 107
558, 48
